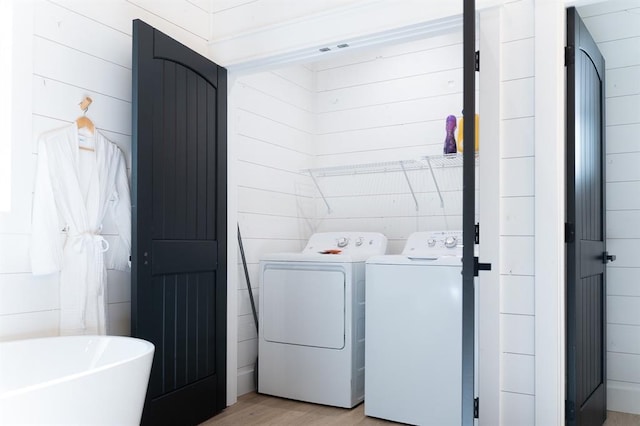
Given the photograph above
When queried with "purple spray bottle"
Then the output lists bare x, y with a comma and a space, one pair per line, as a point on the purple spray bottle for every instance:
450, 141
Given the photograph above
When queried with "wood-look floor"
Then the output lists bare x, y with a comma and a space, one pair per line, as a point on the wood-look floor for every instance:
256, 409
622, 419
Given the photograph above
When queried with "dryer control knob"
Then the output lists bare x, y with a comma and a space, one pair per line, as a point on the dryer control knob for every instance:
450, 242
343, 242
359, 241
431, 242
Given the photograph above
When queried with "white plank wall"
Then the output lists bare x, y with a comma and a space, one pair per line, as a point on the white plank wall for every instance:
370, 106
235, 17
274, 131
517, 383
382, 104
69, 49
617, 34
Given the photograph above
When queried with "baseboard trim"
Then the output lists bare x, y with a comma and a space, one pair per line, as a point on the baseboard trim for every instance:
246, 380
623, 397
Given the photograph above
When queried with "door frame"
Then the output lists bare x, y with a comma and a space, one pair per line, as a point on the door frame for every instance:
550, 212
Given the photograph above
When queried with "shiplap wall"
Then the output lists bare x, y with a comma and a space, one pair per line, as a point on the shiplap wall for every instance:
67, 49
234, 17
387, 104
377, 105
517, 382
617, 34
6, 53
273, 137
245, 31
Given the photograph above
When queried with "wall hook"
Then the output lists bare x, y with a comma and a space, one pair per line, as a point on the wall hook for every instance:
84, 105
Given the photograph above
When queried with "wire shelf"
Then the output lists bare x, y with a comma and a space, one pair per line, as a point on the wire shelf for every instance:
423, 163
368, 168
429, 162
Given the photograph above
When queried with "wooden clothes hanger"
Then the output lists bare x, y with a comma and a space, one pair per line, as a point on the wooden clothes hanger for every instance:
84, 121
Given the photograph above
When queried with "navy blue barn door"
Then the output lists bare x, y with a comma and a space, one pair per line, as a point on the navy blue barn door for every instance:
586, 251
179, 226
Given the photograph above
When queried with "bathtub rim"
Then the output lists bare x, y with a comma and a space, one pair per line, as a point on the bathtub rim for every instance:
149, 349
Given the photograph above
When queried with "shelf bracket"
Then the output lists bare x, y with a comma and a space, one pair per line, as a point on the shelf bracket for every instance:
435, 182
404, 171
326, 203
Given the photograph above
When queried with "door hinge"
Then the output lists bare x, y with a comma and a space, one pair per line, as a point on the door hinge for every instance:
476, 239
477, 60
476, 408
569, 232
569, 410
569, 55
477, 266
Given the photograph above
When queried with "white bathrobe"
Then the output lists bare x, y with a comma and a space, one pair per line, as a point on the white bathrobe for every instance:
75, 191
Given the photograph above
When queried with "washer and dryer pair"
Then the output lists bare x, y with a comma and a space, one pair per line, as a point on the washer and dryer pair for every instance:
312, 325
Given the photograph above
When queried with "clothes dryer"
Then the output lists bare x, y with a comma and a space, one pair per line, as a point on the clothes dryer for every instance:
413, 355
311, 334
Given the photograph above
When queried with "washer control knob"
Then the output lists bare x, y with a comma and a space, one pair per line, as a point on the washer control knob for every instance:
359, 241
450, 242
343, 242
431, 242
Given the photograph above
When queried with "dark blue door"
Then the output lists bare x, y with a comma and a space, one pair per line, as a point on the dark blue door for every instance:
586, 252
179, 226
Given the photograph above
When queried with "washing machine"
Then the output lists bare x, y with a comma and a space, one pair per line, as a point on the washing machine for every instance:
413, 355
311, 335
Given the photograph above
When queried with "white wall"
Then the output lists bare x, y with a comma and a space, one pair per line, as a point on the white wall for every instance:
617, 34
365, 107
246, 31
64, 50
6, 53
549, 204
273, 137
386, 104
516, 262
233, 17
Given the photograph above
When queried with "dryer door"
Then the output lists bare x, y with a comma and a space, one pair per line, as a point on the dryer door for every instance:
304, 305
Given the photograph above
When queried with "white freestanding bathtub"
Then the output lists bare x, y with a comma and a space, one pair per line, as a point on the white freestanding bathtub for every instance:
74, 380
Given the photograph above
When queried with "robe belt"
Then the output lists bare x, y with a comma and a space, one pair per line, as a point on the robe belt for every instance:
89, 237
